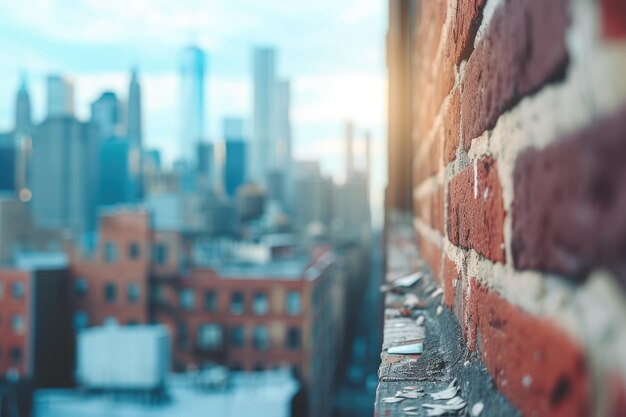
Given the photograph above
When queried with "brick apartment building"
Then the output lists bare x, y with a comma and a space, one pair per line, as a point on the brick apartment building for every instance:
287, 311
507, 160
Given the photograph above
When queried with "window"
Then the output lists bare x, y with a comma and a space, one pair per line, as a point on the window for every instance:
261, 339
160, 254
210, 301
293, 338
16, 356
238, 336
133, 292
17, 323
18, 290
80, 287
294, 303
182, 334
110, 252
1, 290
237, 303
134, 251
110, 292
259, 304
209, 337
187, 299
81, 320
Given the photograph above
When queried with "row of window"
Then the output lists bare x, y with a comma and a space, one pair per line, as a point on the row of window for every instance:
111, 252
133, 291
211, 337
260, 304
17, 290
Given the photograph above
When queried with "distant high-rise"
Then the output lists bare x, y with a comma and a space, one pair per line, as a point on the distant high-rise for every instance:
106, 115
134, 120
119, 178
349, 150
262, 151
60, 96
23, 117
193, 68
235, 164
64, 174
7, 162
283, 125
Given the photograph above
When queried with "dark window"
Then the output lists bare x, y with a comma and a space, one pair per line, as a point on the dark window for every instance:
210, 301
160, 254
110, 292
294, 303
238, 336
18, 290
16, 356
134, 251
259, 304
261, 338
187, 299
110, 252
80, 287
293, 338
133, 292
209, 337
237, 306
132, 322
182, 334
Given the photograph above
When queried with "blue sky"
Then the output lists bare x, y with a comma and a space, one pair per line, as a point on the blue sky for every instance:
332, 50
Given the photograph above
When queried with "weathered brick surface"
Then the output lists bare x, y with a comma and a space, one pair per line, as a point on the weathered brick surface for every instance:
538, 367
467, 17
452, 126
429, 208
432, 255
476, 210
450, 276
570, 203
429, 161
523, 49
614, 19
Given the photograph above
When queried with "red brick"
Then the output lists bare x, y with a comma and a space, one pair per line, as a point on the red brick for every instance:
450, 275
467, 17
451, 122
523, 49
614, 19
569, 204
617, 395
429, 208
475, 221
429, 161
533, 362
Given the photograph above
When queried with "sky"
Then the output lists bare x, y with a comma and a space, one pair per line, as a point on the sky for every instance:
333, 51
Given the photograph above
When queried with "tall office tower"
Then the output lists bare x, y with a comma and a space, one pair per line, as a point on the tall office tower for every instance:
262, 155
134, 120
106, 115
235, 163
119, 173
23, 118
193, 69
60, 97
283, 170
7, 162
313, 202
64, 174
349, 149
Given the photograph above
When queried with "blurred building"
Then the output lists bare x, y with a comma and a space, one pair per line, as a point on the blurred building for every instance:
134, 128
107, 116
36, 337
205, 167
119, 172
8, 161
235, 171
23, 111
250, 202
263, 120
192, 72
60, 96
64, 174
313, 200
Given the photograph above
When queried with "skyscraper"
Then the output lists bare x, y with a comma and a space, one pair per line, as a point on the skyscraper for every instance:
134, 121
118, 172
235, 165
193, 69
349, 149
64, 174
23, 118
60, 96
262, 155
106, 115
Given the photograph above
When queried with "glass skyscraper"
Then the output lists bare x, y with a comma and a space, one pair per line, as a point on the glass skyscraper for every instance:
193, 69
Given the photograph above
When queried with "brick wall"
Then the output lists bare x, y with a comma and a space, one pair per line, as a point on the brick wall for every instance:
518, 121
